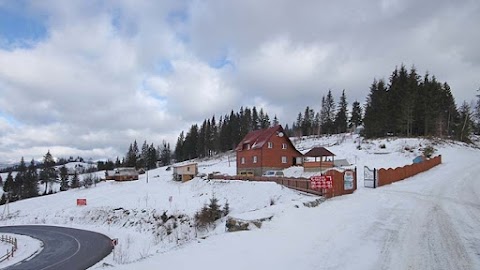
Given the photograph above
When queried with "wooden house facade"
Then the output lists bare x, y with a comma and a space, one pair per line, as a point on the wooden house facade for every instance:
267, 149
185, 172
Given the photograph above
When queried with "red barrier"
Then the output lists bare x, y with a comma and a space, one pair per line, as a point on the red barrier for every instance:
388, 176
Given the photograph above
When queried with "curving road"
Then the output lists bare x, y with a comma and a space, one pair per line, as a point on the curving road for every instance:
63, 248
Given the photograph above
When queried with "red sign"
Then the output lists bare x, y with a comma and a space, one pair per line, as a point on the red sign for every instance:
321, 182
81, 202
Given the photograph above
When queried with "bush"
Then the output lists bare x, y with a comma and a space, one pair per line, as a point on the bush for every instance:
428, 151
210, 213
226, 209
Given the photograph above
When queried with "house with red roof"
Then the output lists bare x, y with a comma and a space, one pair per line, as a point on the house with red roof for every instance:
266, 149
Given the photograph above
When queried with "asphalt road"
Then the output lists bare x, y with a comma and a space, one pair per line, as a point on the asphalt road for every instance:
63, 248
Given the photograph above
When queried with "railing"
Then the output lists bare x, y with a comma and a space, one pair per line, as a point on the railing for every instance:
10, 252
301, 184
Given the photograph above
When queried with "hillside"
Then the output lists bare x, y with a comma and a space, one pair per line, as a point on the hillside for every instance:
361, 226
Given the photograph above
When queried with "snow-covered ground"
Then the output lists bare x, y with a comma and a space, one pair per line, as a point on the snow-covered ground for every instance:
27, 247
429, 221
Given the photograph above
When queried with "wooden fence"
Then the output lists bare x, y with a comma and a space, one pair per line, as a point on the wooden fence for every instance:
388, 176
303, 184
10, 252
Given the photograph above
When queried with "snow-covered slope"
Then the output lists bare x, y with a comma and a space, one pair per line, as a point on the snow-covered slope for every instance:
370, 229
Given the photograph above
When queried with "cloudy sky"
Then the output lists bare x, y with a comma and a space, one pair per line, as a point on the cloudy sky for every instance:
88, 77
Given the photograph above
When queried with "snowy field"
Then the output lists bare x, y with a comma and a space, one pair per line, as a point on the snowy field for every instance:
429, 221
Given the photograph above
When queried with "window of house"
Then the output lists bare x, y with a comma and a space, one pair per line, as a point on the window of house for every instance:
242, 160
270, 145
284, 146
254, 159
188, 169
248, 146
284, 159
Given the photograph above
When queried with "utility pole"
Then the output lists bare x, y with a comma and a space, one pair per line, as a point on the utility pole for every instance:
146, 167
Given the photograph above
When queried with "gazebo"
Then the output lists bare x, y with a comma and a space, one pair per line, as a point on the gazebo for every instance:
323, 158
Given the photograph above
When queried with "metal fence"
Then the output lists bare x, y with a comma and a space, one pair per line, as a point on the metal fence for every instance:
370, 177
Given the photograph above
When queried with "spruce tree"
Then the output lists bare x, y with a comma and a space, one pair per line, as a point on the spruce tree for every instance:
275, 121
341, 116
48, 174
264, 119
375, 119
327, 114
8, 185
18, 185
477, 114
356, 117
130, 157
255, 119
214, 136
31, 182
165, 153
118, 163
307, 121
135, 155
201, 140
143, 156
179, 156
297, 127
396, 100
153, 156
75, 183
465, 126
63, 178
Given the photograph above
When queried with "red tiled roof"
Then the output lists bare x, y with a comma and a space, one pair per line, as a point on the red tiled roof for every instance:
319, 152
258, 138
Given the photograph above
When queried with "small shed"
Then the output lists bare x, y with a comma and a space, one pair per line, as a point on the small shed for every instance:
322, 159
125, 174
185, 172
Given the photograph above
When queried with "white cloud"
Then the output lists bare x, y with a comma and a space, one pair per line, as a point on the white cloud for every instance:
194, 90
111, 72
282, 69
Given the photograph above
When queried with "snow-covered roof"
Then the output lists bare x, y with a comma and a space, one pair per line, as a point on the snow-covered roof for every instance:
319, 152
258, 138
185, 165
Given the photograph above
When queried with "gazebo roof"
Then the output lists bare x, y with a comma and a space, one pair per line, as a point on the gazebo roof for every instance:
319, 152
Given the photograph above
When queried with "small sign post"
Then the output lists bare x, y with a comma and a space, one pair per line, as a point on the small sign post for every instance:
81, 202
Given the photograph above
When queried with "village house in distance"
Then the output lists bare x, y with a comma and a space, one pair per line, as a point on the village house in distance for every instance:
264, 150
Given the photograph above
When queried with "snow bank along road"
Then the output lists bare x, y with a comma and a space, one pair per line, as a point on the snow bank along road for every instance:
63, 248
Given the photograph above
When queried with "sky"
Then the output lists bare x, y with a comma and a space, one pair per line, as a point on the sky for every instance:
89, 77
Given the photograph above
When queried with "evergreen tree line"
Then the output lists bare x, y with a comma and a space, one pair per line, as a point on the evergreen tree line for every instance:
213, 137
39, 165
410, 105
476, 114
25, 183
331, 119
147, 156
